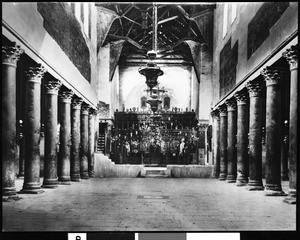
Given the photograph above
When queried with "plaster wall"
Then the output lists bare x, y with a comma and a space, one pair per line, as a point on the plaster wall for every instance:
280, 34
176, 80
104, 88
22, 23
205, 87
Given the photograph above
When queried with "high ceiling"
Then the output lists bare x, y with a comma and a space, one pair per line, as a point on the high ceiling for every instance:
175, 24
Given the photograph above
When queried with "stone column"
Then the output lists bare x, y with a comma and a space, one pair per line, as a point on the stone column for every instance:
273, 132
223, 142
242, 138
216, 141
22, 152
75, 139
51, 137
231, 140
284, 152
292, 56
10, 56
255, 135
84, 141
33, 130
64, 162
91, 143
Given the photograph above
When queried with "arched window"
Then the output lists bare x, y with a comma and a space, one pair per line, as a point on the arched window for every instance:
143, 102
166, 103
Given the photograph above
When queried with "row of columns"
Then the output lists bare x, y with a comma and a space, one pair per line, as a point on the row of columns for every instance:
75, 159
238, 133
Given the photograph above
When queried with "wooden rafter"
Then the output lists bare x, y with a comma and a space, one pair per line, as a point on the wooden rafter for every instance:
127, 9
163, 14
167, 19
132, 20
128, 32
134, 43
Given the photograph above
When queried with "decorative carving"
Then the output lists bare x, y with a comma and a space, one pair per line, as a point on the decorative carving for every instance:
271, 75
231, 104
202, 126
223, 110
241, 97
66, 95
254, 87
11, 54
85, 108
92, 112
52, 86
36, 73
291, 56
215, 114
76, 103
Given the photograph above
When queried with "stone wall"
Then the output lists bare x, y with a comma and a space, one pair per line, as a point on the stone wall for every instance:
24, 24
280, 25
61, 24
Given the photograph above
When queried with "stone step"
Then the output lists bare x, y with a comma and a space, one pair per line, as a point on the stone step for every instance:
158, 172
155, 176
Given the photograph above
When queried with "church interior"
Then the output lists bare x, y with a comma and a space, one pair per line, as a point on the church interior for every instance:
157, 116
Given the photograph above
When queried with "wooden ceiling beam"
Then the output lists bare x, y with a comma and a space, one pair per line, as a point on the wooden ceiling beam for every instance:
127, 9
183, 12
167, 19
134, 43
129, 30
164, 13
132, 20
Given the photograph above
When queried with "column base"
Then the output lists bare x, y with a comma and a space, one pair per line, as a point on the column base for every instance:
50, 183
254, 185
64, 179
64, 182
75, 178
9, 191
222, 176
231, 179
11, 198
84, 175
91, 174
291, 198
217, 175
274, 190
31, 191
20, 176
241, 181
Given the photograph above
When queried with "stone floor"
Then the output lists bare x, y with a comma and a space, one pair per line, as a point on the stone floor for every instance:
148, 204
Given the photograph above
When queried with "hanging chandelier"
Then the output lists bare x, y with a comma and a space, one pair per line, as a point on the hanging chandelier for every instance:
151, 71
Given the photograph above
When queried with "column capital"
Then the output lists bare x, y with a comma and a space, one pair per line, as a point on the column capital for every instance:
85, 108
291, 56
254, 87
271, 75
231, 104
241, 97
215, 114
35, 73
52, 86
223, 110
92, 112
11, 54
66, 95
76, 103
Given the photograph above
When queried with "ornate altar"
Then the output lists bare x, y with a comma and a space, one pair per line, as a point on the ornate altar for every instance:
140, 137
